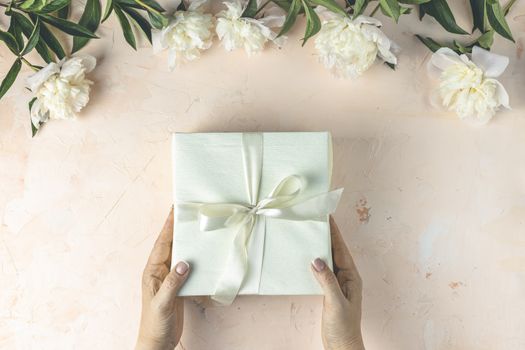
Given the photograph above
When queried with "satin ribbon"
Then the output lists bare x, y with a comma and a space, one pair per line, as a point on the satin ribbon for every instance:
283, 202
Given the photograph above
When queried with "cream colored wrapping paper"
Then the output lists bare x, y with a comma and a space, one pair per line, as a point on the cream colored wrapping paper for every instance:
210, 168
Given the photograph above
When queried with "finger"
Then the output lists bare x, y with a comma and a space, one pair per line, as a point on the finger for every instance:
172, 284
341, 255
158, 265
347, 273
161, 252
327, 281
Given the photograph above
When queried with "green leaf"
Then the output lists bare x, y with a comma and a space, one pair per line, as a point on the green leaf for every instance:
508, 6
250, 10
141, 5
54, 5
33, 5
64, 12
313, 23
10, 41
441, 12
430, 43
413, 2
291, 16
284, 4
331, 5
108, 10
391, 8
153, 4
158, 20
27, 4
460, 48
31, 103
182, 7
126, 27
90, 20
359, 7
34, 129
10, 77
33, 39
405, 10
479, 16
421, 12
16, 31
51, 41
27, 28
496, 17
68, 26
140, 21
486, 40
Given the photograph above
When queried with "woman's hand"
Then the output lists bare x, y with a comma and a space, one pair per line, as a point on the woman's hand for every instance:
341, 323
162, 311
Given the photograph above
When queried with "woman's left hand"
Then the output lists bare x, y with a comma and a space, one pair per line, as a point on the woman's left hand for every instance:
162, 311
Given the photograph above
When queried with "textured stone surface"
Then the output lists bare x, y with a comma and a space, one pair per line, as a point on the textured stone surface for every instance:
433, 210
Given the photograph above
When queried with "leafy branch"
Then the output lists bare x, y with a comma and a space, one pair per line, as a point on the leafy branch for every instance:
33, 25
488, 19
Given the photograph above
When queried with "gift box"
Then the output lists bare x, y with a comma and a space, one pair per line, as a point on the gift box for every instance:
251, 211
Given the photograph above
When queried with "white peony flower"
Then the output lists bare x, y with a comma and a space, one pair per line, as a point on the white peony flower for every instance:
61, 89
350, 46
251, 34
467, 86
188, 33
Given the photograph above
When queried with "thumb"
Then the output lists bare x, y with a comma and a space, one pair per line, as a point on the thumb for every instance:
327, 280
173, 283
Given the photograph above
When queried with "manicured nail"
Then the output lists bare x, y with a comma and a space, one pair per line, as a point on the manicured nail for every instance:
318, 265
182, 267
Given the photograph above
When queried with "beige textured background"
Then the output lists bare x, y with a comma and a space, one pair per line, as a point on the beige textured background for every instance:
434, 210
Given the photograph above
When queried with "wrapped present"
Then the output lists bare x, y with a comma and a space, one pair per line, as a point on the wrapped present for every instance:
251, 211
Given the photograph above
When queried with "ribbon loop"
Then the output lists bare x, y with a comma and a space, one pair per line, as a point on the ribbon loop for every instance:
216, 216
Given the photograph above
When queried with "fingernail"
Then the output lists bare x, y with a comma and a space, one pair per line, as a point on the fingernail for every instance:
318, 265
182, 267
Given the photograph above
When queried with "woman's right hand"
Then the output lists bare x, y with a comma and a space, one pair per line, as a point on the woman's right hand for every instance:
341, 323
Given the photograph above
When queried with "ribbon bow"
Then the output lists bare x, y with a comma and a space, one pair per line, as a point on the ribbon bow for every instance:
283, 202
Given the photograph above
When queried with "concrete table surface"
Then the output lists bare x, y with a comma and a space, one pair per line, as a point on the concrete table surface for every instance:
433, 210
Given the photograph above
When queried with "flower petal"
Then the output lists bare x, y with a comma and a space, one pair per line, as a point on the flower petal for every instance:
172, 59
89, 62
367, 20
492, 64
273, 21
325, 13
38, 115
156, 41
375, 34
444, 58
195, 4
234, 10
36, 80
503, 96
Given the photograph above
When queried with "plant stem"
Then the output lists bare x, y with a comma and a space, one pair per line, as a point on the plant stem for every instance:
374, 10
507, 7
149, 8
29, 64
263, 6
4, 5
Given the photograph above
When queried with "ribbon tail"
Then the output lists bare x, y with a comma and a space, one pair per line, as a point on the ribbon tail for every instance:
314, 208
236, 267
